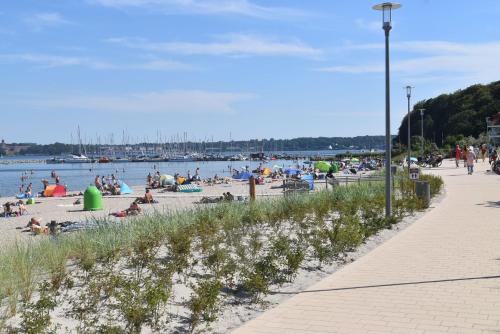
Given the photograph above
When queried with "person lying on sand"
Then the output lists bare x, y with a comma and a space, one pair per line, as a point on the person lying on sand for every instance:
228, 197
208, 200
134, 209
34, 221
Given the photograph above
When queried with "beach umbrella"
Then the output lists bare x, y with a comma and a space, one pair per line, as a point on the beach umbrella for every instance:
354, 160
323, 166
266, 171
292, 171
413, 159
166, 179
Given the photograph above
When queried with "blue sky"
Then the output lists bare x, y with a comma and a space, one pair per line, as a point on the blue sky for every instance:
211, 68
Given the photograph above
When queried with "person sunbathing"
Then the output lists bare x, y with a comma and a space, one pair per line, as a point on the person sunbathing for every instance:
148, 197
34, 222
115, 189
134, 209
22, 208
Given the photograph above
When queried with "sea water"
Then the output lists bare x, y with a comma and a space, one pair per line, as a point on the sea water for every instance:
78, 176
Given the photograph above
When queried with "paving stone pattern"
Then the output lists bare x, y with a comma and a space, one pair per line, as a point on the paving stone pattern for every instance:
440, 275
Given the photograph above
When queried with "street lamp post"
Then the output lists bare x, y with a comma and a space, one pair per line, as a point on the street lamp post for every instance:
422, 128
408, 96
386, 9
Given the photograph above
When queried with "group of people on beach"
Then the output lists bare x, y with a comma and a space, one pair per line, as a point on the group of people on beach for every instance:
156, 181
470, 155
14, 209
107, 185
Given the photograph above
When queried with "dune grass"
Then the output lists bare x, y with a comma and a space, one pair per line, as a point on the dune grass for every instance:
241, 246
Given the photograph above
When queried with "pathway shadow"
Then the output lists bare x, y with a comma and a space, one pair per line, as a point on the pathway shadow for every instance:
491, 204
389, 285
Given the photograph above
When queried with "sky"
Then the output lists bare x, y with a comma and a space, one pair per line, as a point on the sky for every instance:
134, 70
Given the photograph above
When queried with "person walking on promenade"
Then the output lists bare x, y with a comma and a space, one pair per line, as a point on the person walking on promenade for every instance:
471, 156
476, 152
484, 150
458, 155
464, 155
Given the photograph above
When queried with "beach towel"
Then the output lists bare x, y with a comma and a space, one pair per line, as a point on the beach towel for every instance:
189, 188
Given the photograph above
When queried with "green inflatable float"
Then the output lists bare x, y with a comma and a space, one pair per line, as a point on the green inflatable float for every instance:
92, 199
323, 166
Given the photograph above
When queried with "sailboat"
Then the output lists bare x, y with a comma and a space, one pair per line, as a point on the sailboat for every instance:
330, 147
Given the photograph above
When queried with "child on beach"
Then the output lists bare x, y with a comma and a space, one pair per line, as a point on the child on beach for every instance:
21, 208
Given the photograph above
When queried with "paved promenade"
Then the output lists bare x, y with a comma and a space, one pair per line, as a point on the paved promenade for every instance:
440, 275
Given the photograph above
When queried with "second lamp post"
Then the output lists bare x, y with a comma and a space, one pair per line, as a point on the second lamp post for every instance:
408, 95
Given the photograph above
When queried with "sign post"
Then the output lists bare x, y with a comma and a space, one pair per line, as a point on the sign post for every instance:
414, 173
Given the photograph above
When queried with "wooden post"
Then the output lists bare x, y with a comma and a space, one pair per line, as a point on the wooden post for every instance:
251, 182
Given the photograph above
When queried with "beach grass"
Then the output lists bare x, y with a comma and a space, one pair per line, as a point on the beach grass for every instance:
247, 246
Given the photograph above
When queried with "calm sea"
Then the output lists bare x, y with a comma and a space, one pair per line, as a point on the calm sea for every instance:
78, 176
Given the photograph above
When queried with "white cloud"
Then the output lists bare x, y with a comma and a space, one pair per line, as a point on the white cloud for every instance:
43, 60
206, 7
433, 59
172, 101
375, 26
160, 65
51, 61
231, 45
39, 21
354, 69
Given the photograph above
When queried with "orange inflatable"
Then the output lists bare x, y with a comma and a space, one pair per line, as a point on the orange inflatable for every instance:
55, 191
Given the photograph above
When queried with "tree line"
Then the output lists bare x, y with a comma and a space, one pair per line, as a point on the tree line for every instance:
449, 118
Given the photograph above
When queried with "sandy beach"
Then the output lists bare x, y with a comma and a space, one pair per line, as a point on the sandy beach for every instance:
62, 209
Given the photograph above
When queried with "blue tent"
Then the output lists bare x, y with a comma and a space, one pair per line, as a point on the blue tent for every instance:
292, 171
125, 189
243, 176
310, 179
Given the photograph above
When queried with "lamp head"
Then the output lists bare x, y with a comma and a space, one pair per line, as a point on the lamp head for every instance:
387, 8
408, 91
422, 112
